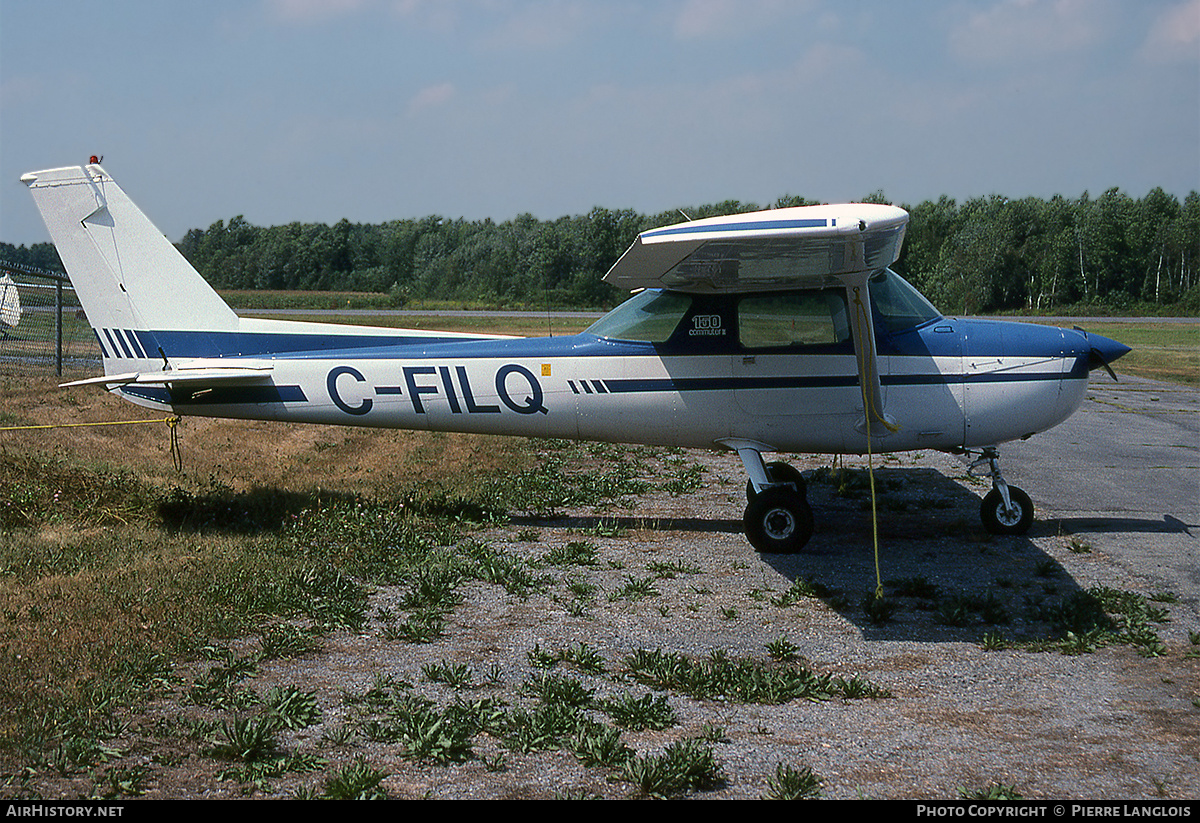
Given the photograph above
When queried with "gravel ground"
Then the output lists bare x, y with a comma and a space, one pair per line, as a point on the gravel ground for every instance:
1102, 725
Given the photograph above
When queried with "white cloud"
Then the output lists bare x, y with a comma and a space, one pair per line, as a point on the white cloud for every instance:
438, 15
546, 25
432, 15
1024, 30
432, 96
1175, 34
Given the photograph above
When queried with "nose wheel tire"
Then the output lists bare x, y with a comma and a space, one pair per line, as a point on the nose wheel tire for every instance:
778, 521
999, 520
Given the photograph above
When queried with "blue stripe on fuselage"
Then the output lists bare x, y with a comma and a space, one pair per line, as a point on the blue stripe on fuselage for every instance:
835, 381
217, 395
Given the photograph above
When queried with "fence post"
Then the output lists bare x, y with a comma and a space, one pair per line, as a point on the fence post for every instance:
58, 327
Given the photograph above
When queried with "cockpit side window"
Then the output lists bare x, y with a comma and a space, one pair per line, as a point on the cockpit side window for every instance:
787, 319
650, 316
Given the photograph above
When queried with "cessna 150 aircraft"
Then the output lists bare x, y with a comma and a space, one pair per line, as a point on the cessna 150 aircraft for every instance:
780, 331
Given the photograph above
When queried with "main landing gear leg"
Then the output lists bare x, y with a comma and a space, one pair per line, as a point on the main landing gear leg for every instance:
778, 519
1005, 509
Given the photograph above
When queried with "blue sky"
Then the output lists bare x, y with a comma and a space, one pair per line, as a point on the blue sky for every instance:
314, 110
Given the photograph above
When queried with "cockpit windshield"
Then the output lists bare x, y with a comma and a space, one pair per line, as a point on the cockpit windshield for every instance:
899, 306
650, 316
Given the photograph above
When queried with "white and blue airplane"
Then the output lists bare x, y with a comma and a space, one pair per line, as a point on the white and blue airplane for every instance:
780, 331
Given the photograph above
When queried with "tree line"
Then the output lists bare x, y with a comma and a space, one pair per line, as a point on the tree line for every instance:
986, 254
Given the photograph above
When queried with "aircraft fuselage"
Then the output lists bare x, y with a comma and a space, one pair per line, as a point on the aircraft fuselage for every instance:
951, 384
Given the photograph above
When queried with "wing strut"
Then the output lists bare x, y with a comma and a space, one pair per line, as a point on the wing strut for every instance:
874, 414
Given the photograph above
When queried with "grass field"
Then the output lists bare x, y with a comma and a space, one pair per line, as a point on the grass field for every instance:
251, 300
519, 325
272, 620
115, 568
1161, 351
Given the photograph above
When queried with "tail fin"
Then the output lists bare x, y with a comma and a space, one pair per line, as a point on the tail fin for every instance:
130, 280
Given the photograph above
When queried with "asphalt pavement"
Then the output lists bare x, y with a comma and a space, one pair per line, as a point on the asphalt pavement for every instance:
1123, 474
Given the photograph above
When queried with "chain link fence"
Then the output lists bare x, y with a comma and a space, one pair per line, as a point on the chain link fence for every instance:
43, 329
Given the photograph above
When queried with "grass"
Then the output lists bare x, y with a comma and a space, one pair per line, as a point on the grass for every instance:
33, 342
112, 624
683, 767
251, 299
355, 781
793, 784
745, 680
649, 711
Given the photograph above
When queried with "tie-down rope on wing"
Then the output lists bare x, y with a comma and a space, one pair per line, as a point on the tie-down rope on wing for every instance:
863, 332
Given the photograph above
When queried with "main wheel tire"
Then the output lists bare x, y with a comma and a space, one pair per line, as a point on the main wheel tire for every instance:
778, 521
781, 473
998, 521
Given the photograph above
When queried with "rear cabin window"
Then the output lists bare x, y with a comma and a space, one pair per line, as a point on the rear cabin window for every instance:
789, 319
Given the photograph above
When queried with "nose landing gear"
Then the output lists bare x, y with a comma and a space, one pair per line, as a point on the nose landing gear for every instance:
1005, 509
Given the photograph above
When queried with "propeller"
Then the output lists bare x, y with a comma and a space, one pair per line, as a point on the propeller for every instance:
1103, 351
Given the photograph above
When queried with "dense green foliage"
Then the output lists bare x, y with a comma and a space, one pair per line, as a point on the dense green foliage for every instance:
1111, 253
521, 262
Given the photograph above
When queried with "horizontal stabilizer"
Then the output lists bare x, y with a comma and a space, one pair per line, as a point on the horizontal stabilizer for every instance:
225, 374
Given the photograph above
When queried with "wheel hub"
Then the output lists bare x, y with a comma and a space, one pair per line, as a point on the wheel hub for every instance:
779, 523
1009, 516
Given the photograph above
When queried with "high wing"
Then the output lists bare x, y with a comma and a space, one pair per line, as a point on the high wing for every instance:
798, 247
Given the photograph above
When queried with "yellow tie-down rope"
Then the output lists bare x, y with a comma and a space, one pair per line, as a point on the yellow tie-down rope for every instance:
869, 411
172, 424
